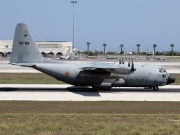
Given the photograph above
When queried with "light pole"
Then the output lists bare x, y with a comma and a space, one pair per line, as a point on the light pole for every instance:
73, 2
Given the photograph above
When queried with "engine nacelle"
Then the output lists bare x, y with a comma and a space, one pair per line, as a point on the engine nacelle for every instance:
118, 83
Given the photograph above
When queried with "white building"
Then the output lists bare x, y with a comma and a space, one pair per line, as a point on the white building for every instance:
47, 48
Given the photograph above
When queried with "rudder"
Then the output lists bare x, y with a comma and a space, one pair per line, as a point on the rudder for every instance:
24, 48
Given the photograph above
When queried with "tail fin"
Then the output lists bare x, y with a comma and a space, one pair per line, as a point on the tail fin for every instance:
24, 48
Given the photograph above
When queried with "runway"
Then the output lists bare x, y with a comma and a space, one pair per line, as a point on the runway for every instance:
72, 93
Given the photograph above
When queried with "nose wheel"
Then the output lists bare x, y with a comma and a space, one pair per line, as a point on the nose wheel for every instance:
156, 88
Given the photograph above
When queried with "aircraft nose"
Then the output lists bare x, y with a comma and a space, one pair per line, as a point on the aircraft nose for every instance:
170, 79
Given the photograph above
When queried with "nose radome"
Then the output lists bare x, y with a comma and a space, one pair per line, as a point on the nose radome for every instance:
170, 79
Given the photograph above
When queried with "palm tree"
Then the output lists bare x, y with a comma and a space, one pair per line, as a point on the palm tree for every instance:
121, 46
88, 43
154, 46
138, 45
172, 46
104, 47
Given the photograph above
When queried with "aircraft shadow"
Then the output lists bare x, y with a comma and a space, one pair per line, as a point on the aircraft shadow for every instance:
86, 91
8, 89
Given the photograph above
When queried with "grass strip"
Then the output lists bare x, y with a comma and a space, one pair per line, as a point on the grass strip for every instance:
87, 118
124, 124
95, 107
27, 78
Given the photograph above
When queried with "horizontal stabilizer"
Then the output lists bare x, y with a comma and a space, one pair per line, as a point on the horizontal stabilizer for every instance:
24, 64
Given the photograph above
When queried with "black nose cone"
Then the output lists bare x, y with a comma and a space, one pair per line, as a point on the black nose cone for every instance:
170, 79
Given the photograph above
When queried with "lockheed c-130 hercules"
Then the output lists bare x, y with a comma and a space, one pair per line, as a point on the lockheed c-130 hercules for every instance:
97, 75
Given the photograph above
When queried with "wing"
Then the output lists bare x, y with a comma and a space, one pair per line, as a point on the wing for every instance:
108, 68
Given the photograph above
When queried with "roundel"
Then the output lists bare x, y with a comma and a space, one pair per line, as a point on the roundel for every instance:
67, 73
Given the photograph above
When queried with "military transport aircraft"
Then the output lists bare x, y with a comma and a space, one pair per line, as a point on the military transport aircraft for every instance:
98, 75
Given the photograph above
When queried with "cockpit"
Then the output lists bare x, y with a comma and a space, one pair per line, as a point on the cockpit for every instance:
165, 75
163, 72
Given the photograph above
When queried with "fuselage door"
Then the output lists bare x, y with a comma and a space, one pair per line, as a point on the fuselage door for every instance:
152, 79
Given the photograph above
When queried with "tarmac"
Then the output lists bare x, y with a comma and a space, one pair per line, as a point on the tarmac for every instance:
38, 92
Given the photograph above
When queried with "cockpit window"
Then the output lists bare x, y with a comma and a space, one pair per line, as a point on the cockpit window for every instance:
162, 70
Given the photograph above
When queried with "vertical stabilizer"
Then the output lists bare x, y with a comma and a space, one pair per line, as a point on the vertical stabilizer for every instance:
24, 48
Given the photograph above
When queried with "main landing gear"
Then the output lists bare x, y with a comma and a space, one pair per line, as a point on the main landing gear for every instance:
156, 88
98, 88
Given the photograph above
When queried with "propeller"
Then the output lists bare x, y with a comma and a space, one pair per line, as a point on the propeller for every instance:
128, 64
121, 61
132, 66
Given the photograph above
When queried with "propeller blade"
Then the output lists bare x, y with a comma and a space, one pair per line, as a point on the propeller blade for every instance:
119, 61
132, 66
128, 64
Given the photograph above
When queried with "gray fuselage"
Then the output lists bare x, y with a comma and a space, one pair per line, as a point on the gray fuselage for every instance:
144, 76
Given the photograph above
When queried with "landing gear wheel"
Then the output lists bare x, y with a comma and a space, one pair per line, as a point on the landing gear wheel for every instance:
156, 88
107, 88
95, 88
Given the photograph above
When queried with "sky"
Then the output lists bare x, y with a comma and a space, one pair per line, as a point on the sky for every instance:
114, 22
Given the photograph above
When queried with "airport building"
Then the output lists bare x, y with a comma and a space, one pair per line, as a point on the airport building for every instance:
47, 48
